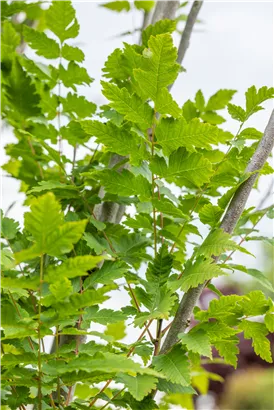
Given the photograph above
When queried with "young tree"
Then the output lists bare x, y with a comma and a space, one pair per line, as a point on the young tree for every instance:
79, 244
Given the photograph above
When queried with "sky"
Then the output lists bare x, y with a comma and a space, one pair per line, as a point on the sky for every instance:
231, 48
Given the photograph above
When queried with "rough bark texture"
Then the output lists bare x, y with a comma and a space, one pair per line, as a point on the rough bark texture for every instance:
164, 10
231, 217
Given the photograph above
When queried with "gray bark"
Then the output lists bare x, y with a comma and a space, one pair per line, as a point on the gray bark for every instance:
165, 10
230, 219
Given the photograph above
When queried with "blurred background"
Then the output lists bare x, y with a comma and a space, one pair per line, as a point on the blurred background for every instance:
231, 47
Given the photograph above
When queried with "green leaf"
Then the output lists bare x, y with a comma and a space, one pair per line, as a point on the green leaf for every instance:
257, 332
125, 183
167, 207
200, 100
74, 75
116, 139
146, 5
222, 309
159, 69
197, 341
192, 167
72, 267
236, 112
118, 5
217, 242
60, 18
174, 365
254, 303
198, 272
161, 27
210, 214
254, 98
256, 274
72, 53
138, 386
10, 39
98, 244
43, 45
228, 349
172, 134
217, 331
78, 105
109, 272
269, 321
116, 330
106, 316
61, 289
250, 134
9, 228
159, 270
131, 106
219, 100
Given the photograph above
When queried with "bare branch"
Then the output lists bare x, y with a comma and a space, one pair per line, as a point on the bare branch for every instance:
230, 219
185, 39
164, 10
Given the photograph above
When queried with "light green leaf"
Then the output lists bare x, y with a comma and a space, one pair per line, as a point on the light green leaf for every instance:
61, 289
210, 214
78, 105
60, 18
256, 274
257, 332
197, 341
228, 349
116, 330
109, 272
131, 106
138, 386
161, 27
172, 134
269, 321
223, 309
118, 5
217, 331
10, 39
193, 167
146, 5
106, 316
217, 242
174, 365
198, 272
9, 228
219, 100
200, 100
72, 53
99, 245
159, 270
74, 75
254, 303
254, 98
43, 45
159, 69
250, 134
236, 112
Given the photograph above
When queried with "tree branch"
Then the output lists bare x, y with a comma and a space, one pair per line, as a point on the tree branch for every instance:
230, 219
164, 10
185, 39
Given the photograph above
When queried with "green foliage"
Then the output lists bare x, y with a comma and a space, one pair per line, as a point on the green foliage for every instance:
165, 162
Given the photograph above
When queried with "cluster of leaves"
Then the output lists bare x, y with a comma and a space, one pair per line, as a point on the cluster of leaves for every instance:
60, 268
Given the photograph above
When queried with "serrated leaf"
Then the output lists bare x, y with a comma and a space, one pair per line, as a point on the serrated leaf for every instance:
198, 272
159, 270
78, 105
72, 53
254, 303
256, 274
74, 75
196, 341
254, 98
172, 134
219, 100
210, 214
161, 27
61, 20
217, 242
250, 134
192, 167
106, 316
269, 321
131, 106
125, 183
236, 112
10, 39
217, 331
167, 207
43, 45
138, 386
174, 365
159, 69
116, 139
257, 332
9, 228
116, 330
109, 272
200, 100
228, 349
61, 289
222, 309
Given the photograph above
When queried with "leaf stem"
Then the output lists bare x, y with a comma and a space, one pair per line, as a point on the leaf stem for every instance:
39, 336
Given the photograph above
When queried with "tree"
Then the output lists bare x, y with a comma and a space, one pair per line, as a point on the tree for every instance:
79, 244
